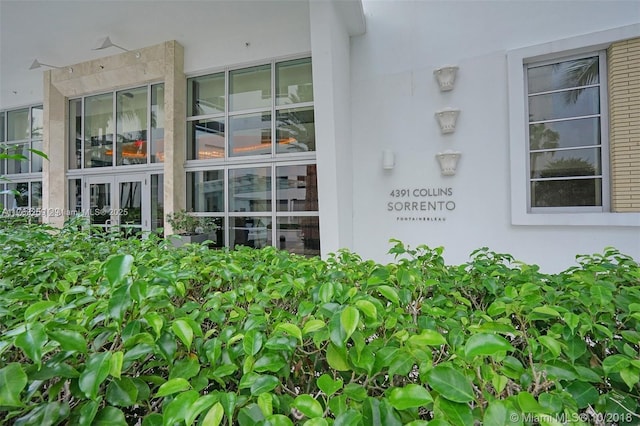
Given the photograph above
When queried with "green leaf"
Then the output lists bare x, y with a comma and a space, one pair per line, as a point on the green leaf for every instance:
456, 413
12, 381
119, 302
450, 383
172, 386
109, 416
410, 396
545, 311
263, 384
201, 404
308, 406
337, 358
426, 338
69, 340
328, 385
348, 418
87, 413
269, 362
95, 372
279, 420
214, 416
265, 402
318, 421
115, 364
123, 392
528, 403
326, 292
252, 342
117, 267
499, 414
32, 342
37, 308
484, 344
630, 376
177, 410
367, 308
183, 331
291, 330
349, 319
312, 325
389, 293
615, 364
229, 401
583, 393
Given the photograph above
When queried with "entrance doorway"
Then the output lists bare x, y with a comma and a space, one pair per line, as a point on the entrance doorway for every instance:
122, 201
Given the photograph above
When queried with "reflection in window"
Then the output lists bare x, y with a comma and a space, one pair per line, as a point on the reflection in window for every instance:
297, 188
19, 163
205, 139
157, 201
294, 81
157, 123
295, 130
206, 95
37, 122
299, 234
250, 189
250, 231
205, 191
565, 143
250, 134
131, 126
250, 88
75, 134
98, 130
18, 125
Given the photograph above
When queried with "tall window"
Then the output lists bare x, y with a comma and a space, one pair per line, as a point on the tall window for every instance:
21, 138
117, 129
567, 164
251, 155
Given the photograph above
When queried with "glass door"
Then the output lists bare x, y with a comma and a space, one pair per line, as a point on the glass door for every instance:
121, 201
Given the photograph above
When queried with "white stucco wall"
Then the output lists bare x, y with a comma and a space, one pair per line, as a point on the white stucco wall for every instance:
395, 96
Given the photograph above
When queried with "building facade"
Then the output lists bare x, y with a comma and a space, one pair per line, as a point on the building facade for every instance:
320, 125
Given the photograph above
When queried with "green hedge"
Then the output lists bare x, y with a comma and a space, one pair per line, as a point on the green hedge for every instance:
96, 329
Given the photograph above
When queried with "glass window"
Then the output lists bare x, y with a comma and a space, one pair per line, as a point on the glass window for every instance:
75, 195
565, 133
250, 231
1, 126
157, 123
206, 95
205, 191
296, 131
131, 126
75, 134
250, 189
294, 82
98, 130
205, 139
250, 88
157, 201
36, 194
299, 234
296, 188
19, 163
37, 122
36, 159
18, 125
250, 134
21, 196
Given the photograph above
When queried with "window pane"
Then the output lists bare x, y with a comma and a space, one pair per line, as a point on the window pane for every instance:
37, 122
563, 75
565, 134
297, 188
206, 139
18, 124
572, 103
20, 164
250, 134
131, 111
1, 126
36, 194
205, 191
75, 134
567, 193
250, 88
250, 189
574, 162
300, 235
250, 231
294, 82
21, 199
296, 130
206, 95
98, 131
36, 160
157, 123
75, 195
157, 202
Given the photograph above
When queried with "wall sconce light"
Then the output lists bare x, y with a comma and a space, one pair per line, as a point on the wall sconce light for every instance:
447, 119
448, 162
37, 64
106, 42
388, 159
446, 77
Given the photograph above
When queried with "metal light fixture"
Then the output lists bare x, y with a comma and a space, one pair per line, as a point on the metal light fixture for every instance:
106, 42
446, 77
388, 159
37, 64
